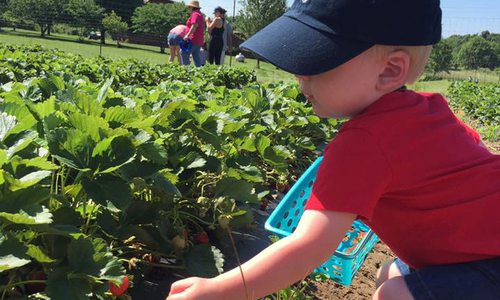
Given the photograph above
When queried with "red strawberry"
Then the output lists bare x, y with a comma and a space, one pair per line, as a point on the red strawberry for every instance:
33, 288
117, 291
263, 204
201, 237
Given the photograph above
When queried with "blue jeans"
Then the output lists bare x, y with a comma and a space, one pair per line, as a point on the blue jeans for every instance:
195, 51
465, 281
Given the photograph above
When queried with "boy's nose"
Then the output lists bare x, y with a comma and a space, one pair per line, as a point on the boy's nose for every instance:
303, 86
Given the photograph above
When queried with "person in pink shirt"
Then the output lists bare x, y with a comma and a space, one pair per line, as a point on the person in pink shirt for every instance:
175, 36
195, 25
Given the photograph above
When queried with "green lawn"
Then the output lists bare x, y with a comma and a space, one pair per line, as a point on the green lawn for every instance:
438, 86
483, 75
90, 48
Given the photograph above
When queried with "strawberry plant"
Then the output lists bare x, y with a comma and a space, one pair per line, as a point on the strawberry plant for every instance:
115, 167
480, 104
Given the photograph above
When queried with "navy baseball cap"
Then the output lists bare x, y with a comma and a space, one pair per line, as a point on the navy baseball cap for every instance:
315, 36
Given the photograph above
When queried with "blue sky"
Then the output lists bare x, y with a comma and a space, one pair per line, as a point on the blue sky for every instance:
459, 16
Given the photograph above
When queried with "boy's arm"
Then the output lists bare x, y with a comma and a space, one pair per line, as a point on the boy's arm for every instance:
278, 266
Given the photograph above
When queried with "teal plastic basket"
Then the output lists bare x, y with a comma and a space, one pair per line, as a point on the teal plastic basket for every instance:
352, 251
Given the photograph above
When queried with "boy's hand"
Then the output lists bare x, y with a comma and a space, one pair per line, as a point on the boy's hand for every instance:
194, 288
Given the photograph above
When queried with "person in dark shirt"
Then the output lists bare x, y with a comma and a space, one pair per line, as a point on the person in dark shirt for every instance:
216, 29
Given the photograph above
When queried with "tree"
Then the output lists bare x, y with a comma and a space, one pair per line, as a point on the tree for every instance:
115, 26
6, 16
478, 53
256, 14
3, 6
85, 14
42, 12
441, 58
158, 19
123, 8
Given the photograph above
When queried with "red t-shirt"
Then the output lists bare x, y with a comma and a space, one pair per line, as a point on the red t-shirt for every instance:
418, 177
197, 36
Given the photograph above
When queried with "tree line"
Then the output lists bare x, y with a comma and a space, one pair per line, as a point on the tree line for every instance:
471, 52
117, 17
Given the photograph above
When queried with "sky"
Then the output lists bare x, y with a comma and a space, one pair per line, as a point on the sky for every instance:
459, 16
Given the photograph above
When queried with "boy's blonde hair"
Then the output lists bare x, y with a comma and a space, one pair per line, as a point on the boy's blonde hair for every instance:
419, 55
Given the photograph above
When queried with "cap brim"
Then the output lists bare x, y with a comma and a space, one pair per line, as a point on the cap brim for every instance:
302, 49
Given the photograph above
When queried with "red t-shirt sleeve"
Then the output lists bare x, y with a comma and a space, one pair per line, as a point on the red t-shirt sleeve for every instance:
193, 19
353, 175
470, 131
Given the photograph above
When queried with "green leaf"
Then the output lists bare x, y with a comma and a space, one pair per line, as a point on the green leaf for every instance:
38, 162
154, 152
262, 143
50, 85
7, 123
108, 189
252, 174
71, 147
240, 190
163, 185
12, 253
21, 143
29, 215
197, 163
3, 157
193, 160
11, 261
90, 125
45, 108
276, 156
204, 261
63, 285
29, 180
104, 90
112, 153
120, 114
81, 256
37, 253
24, 199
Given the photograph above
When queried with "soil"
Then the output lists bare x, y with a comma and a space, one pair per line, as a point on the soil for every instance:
493, 146
363, 284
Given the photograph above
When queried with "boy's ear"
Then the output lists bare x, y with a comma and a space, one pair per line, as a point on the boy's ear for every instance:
394, 71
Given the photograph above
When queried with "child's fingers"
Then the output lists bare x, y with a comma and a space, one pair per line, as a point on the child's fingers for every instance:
180, 286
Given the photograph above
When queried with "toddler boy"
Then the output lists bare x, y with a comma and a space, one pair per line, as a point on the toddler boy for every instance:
403, 163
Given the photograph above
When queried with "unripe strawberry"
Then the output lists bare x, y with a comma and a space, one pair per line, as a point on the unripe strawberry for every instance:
178, 242
224, 221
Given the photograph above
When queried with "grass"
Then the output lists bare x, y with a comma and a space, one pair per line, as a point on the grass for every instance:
86, 47
482, 75
151, 54
437, 86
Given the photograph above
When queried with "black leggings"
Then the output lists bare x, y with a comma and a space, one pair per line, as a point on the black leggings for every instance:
215, 50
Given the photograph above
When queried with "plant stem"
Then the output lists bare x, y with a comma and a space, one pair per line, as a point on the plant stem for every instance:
9, 285
238, 260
